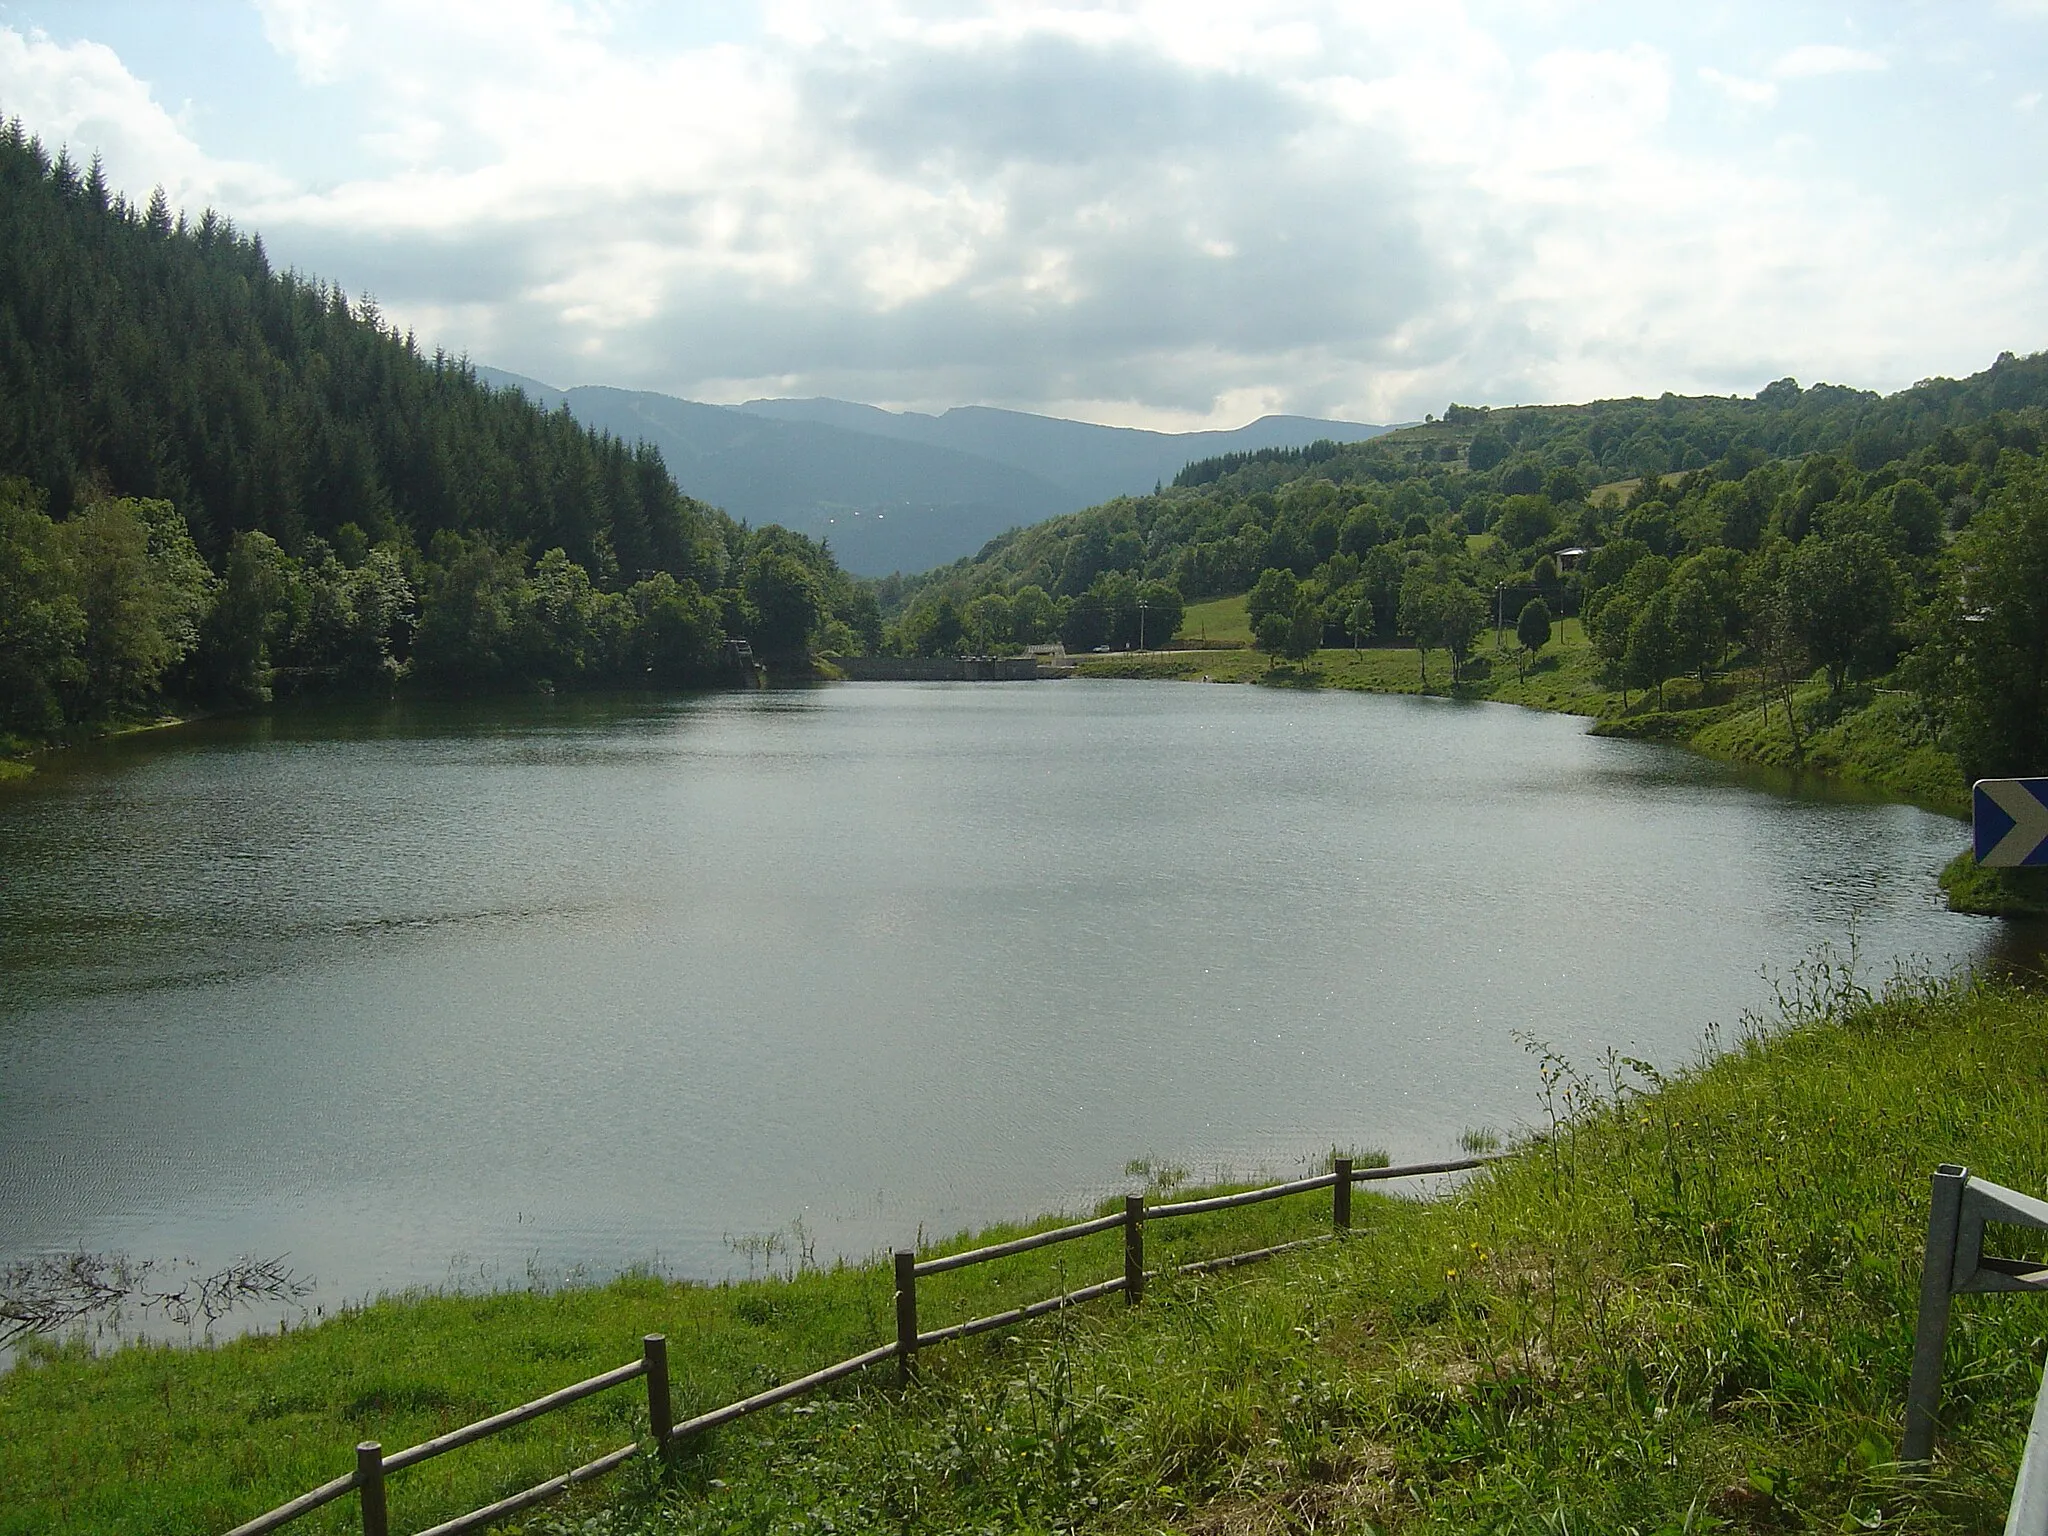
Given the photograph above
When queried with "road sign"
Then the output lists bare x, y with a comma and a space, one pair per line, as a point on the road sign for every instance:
2011, 822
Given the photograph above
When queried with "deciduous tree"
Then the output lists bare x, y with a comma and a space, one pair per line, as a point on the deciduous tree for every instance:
1841, 596
1996, 619
1532, 628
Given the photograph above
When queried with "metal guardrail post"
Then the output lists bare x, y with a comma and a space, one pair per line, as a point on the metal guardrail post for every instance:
906, 1316
1930, 1337
1957, 1214
1134, 1249
1340, 1194
370, 1486
660, 1410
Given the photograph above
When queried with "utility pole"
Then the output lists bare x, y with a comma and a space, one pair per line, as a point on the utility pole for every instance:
1142, 607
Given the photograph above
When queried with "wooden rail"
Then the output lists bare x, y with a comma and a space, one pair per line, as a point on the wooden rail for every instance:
372, 1465
1255, 1196
1019, 1245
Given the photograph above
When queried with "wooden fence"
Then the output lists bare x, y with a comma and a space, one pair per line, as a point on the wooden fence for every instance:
373, 1466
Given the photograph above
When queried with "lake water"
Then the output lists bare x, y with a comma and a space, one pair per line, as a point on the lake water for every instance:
431, 994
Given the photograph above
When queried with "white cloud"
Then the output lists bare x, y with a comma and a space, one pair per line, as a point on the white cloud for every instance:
1165, 212
314, 37
80, 96
1743, 92
1811, 59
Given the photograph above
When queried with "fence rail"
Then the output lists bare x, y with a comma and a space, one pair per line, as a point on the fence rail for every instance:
1253, 1196
1079, 1229
372, 1465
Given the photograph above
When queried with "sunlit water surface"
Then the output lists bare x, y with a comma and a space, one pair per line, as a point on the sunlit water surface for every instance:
434, 994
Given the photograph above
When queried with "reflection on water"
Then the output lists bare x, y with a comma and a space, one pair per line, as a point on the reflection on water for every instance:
430, 991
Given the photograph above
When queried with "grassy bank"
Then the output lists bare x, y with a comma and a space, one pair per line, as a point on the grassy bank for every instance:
1995, 892
161, 1439
1688, 1307
1563, 679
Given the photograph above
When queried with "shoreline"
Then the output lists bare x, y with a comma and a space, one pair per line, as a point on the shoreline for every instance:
1870, 742
1643, 1261
1697, 728
21, 766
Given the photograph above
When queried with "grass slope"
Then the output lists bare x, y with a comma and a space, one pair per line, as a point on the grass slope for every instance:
1689, 1309
1994, 892
1562, 678
1219, 619
1687, 1306
161, 1439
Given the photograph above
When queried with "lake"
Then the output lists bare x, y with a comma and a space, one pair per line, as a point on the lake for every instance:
472, 994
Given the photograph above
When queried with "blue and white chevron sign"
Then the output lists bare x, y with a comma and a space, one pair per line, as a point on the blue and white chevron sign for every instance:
2011, 822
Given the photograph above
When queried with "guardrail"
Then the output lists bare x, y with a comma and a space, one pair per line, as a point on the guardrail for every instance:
1955, 1264
373, 1466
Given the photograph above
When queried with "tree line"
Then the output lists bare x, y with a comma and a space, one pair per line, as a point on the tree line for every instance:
1924, 569
219, 481
1116, 611
113, 612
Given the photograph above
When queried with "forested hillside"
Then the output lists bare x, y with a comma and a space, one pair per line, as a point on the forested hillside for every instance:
1822, 541
218, 480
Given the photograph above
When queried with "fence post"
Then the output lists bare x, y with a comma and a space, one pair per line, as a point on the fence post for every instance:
1134, 1249
906, 1316
1340, 1194
660, 1411
1930, 1336
370, 1484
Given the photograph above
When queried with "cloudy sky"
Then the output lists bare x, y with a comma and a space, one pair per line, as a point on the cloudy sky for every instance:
1167, 214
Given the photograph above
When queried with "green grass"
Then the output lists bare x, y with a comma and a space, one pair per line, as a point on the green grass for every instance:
166, 1439
1220, 618
1689, 1308
1994, 892
1882, 743
1562, 677
1615, 493
1684, 1305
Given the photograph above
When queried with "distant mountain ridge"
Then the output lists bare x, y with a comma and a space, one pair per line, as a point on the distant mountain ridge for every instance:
902, 491
1094, 462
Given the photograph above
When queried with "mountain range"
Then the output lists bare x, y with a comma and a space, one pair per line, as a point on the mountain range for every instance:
900, 490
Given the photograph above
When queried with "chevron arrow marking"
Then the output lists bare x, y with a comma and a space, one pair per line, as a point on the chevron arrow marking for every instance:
2011, 822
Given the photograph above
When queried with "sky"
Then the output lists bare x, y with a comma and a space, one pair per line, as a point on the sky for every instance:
1176, 215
